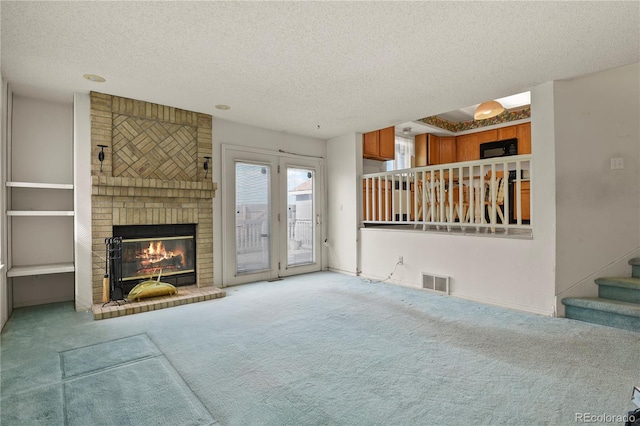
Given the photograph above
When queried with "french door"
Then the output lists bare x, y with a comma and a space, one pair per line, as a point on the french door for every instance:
272, 210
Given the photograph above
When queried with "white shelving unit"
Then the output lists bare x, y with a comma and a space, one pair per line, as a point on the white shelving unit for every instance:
53, 268
40, 185
40, 269
40, 213
39, 196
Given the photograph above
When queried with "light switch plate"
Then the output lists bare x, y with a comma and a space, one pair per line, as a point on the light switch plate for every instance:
617, 163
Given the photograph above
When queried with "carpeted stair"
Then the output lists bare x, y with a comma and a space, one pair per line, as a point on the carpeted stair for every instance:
617, 304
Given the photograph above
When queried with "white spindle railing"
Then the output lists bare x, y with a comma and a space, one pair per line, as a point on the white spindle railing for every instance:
477, 194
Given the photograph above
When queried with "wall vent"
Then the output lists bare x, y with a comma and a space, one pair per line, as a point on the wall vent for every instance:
437, 283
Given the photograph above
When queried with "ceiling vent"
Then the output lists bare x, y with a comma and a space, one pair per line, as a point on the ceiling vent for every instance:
435, 283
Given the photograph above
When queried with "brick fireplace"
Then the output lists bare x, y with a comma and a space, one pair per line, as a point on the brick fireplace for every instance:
152, 174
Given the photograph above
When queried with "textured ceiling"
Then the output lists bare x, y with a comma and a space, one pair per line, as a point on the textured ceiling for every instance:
294, 66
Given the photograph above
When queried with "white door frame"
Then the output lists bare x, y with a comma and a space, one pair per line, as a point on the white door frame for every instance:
232, 154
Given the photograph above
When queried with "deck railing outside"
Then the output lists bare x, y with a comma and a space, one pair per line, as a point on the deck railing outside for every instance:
485, 194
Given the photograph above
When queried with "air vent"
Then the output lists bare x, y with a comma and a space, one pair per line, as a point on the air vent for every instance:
437, 283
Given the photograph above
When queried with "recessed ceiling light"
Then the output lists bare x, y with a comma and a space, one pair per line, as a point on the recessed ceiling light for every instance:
95, 78
223, 107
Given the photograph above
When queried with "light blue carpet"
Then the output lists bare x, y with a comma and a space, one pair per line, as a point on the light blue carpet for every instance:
319, 349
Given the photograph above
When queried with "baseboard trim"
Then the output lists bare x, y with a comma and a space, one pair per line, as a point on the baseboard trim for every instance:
502, 304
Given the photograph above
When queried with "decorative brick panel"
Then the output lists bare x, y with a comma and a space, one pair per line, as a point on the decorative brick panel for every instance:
154, 149
152, 174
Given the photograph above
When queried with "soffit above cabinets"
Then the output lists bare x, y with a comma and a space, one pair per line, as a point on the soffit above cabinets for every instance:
466, 113
458, 116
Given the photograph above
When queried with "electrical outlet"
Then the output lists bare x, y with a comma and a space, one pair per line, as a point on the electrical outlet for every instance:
400, 260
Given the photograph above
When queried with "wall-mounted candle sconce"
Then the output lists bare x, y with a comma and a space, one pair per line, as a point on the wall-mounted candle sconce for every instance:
206, 166
101, 155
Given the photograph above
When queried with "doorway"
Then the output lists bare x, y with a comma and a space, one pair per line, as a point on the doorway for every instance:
272, 211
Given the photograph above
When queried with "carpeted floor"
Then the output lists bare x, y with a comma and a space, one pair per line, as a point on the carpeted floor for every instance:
318, 349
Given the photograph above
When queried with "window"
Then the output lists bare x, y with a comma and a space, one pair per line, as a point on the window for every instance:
405, 150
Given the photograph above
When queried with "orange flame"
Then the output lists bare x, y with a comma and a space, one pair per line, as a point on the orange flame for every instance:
157, 252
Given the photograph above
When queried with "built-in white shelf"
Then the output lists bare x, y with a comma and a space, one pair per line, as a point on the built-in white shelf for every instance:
40, 213
53, 268
40, 185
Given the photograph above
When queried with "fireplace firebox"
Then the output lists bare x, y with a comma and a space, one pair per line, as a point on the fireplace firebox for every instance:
148, 250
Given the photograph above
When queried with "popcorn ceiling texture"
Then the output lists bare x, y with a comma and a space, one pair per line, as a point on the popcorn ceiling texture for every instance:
292, 66
150, 174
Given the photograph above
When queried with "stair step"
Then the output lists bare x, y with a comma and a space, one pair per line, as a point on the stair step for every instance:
624, 289
635, 267
612, 313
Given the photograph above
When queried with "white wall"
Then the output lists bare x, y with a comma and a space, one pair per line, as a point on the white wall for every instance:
82, 200
230, 133
515, 273
42, 141
597, 118
344, 167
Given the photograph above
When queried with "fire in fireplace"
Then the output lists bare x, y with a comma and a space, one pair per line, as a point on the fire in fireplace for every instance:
148, 256
148, 250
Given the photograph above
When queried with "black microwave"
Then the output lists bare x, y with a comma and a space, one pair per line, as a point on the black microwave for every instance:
499, 148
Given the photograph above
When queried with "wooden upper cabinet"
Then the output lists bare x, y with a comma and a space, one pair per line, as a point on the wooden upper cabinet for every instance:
442, 149
370, 145
524, 138
379, 144
487, 136
388, 143
467, 147
447, 149
431, 149
421, 149
507, 133
433, 146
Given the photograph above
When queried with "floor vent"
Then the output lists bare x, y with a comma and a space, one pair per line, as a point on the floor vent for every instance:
437, 283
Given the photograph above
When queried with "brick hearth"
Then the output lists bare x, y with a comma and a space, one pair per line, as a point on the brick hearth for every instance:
185, 296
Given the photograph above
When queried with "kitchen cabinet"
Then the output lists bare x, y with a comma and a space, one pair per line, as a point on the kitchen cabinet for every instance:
523, 132
379, 144
447, 149
421, 149
506, 133
433, 147
442, 149
487, 136
432, 150
467, 147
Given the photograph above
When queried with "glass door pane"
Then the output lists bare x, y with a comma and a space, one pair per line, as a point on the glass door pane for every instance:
253, 218
300, 216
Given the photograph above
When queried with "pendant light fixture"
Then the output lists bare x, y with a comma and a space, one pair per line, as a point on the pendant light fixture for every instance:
487, 110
